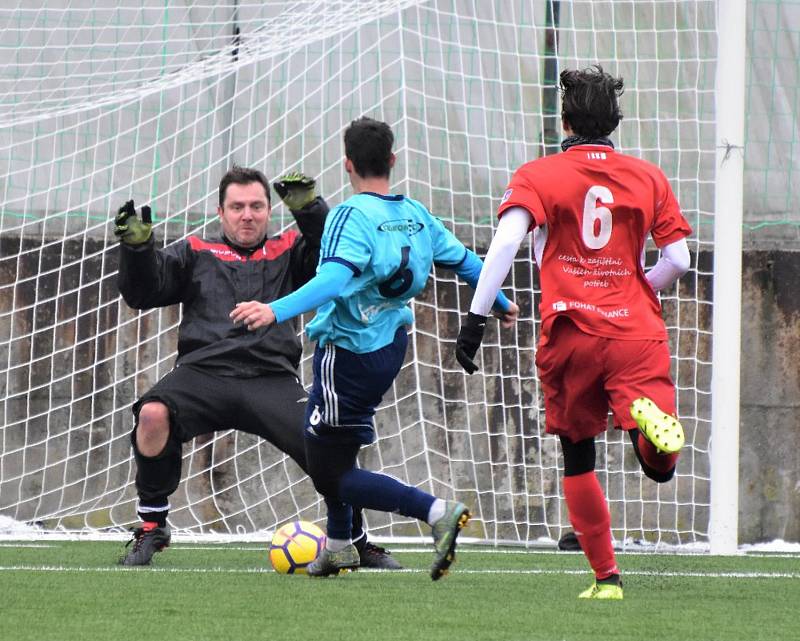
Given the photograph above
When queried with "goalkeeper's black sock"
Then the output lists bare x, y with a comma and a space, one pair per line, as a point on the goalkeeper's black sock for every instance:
157, 517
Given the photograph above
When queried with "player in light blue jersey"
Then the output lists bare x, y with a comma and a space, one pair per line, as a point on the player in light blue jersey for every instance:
377, 252
387, 243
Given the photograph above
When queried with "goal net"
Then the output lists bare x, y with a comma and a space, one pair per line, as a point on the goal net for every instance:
105, 101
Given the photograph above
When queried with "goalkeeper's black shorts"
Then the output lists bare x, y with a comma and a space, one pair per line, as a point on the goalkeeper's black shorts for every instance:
199, 402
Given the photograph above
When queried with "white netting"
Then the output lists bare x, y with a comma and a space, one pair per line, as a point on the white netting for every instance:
101, 102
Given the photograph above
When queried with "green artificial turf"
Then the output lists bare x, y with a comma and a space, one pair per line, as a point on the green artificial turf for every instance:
74, 590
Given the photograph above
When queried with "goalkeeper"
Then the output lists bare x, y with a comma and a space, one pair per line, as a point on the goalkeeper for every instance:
225, 376
603, 343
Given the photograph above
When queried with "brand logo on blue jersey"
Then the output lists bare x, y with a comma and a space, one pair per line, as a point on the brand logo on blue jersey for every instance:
404, 225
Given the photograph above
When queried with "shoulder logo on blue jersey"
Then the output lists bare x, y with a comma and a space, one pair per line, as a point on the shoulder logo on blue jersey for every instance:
404, 225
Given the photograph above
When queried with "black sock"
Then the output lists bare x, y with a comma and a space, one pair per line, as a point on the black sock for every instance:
361, 542
159, 518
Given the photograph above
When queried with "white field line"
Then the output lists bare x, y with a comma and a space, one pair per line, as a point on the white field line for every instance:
11, 537
533, 571
200, 547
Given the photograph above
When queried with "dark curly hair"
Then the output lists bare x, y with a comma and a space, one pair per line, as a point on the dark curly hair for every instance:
589, 101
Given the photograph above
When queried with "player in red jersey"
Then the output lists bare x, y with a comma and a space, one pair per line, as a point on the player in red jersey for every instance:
603, 342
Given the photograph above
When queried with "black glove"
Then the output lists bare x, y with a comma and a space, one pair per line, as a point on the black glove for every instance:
296, 190
469, 340
129, 229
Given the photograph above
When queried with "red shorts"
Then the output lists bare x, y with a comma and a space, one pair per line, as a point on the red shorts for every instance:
583, 376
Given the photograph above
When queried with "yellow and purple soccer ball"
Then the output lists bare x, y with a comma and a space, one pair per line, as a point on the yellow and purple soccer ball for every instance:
294, 546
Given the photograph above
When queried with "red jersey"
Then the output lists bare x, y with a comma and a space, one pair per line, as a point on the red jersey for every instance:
593, 209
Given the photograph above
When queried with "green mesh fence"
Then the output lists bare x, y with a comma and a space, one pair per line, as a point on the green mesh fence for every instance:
772, 169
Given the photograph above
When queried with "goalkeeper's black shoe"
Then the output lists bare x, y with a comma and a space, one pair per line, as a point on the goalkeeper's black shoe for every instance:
569, 542
377, 558
147, 540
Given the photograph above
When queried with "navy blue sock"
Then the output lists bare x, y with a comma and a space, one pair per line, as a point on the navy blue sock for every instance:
340, 518
380, 492
357, 533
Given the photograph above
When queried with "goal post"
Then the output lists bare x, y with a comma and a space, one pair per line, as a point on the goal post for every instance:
155, 101
726, 326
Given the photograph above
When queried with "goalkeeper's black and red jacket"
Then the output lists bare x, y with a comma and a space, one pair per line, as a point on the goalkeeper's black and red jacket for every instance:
210, 277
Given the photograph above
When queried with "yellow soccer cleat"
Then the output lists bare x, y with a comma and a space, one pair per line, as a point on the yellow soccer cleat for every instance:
662, 430
607, 591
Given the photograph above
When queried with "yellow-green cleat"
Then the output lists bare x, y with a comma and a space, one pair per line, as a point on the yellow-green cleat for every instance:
331, 563
662, 430
606, 591
445, 532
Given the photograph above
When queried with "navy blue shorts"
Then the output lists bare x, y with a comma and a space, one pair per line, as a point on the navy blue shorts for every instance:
348, 387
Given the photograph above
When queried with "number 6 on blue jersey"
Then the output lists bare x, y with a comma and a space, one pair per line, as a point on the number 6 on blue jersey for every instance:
399, 282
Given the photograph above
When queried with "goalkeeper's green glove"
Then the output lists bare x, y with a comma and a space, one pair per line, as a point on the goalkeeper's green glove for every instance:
129, 229
296, 190
469, 340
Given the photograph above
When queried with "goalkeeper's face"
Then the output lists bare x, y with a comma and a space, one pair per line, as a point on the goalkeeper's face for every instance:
245, 214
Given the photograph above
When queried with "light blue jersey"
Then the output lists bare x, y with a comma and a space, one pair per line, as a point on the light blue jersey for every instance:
390, 243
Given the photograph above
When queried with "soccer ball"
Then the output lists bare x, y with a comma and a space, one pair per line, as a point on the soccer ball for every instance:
294, 546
